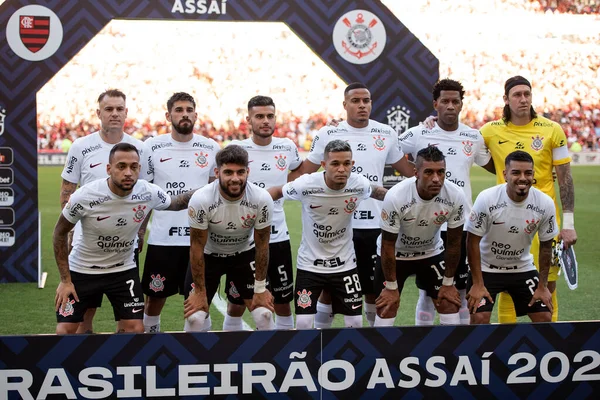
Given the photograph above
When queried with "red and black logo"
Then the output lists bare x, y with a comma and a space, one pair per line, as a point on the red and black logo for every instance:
34, 31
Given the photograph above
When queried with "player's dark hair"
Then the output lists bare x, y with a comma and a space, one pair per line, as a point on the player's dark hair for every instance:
518, 155
447, 84
355, 85
509, 84
111, 93
429, 153
336, 146
180, 96
232, 154
121, 147
260, 101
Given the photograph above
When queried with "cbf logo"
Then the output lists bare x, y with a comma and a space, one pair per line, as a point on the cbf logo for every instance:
350, 205
2, 117
537, 143
34, 32
156, 284
359, 37
139, 213
280, 162
68, 309
379, 143
398, 117
201, 159
304, 300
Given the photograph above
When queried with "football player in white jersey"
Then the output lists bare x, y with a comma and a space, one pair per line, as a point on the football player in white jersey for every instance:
462, 146
178, 162
501, 227
271, 159
230, 225
326, 257
373, 146
87, 159
411, 218
110, 211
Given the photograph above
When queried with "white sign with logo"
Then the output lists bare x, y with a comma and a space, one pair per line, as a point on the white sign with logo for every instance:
34, 32
359, 36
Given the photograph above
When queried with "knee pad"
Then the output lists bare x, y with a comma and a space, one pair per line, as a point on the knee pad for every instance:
195, 322
263, 318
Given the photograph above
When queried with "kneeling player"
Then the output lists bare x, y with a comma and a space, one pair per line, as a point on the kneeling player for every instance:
326, 258
501, 227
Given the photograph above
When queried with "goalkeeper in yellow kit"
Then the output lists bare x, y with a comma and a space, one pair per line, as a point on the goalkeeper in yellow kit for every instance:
522, 129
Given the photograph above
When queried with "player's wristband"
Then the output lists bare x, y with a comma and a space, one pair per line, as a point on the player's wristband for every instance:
447, 281
568, 220
391, 285
260, 286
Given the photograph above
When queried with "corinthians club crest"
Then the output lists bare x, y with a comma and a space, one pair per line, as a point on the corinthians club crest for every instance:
359, 36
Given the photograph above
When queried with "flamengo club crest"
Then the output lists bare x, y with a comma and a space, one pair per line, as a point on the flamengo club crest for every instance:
379, 143
156, 284
34, 33
304, 298
139, 213
201, 159
280, 162
537, 143
398, 117
359, 36
2, 117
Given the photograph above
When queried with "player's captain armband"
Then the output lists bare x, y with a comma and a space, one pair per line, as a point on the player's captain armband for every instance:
560, 153
568, 220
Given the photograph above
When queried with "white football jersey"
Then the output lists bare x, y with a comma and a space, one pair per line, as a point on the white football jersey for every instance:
372, 148
87, 160
230, 224
177, 167
418, 222
326, 245
462, 148
507, 228
109, 224
269, 166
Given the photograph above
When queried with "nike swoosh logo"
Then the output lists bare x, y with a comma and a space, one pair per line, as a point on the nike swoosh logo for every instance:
408, 220
311, 206
165, 159
497, 223
285, 295
101, 219
502, 141
136, 310
432, 144
215, 222
355, 306
94, 165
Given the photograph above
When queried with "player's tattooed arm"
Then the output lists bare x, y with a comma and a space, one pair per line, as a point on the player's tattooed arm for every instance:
545, 258
60, 244
566, 187
452, 251
66, 190
261, 242
378, 192
198, 238
180, 202
388, 255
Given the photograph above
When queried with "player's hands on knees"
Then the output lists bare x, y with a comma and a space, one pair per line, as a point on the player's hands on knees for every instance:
63, 291
335, 122
264, 299
430, 122
475, 295
450, 294
542, 294
196, 301
568, 236
387, 303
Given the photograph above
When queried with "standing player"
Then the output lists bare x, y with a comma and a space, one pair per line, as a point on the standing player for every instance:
373, 146
412, 214
462, 146
272, 158
86, 162
326, 257
111, 211
177, 163
503, 222
230, 228
522, 129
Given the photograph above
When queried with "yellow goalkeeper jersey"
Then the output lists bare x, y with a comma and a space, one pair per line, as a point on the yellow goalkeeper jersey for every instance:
544, 139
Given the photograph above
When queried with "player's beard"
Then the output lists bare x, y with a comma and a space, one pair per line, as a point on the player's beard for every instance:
184, 129
124, 187
257, 131
226, 190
